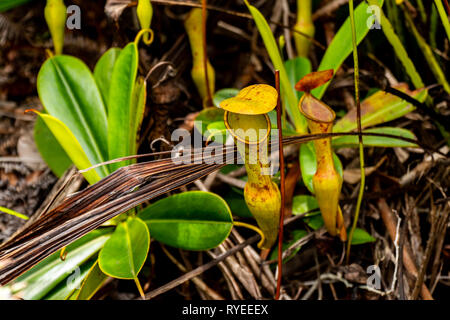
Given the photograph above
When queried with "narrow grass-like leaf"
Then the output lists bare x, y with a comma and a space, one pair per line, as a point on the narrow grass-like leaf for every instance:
377, 141
428, 54
341, 46
40, 282
444, 17
399, 49
69, 285
379, 108
274, 53
91, 283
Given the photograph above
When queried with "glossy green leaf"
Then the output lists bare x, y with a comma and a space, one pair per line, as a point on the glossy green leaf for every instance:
50, 149
194, 220
361, 236
223, 94
315, 221
206, 117
380, 107
296, 69
137, 112
71, 146
69, 93
369, 141
296, 235
69, 285
237, 204
341, 45
308, 164
103, 72
120, 105
124, 254
42, 278
91, 283
304, 203
274, 53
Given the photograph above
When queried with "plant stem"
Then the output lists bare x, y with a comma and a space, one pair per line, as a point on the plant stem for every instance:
358, 118
138, 285
13, 213
305, 26
282, 187
205, 56
251, 227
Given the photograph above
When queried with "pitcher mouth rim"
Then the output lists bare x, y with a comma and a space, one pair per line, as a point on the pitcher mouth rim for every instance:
231, 130
309, 117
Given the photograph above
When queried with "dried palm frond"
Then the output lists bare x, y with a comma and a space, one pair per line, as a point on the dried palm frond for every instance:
122, 190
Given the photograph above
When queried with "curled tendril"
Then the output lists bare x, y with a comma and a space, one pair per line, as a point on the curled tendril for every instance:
141, 33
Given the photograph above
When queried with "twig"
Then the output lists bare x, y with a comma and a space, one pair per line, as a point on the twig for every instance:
199, 270
197, 281
390, 223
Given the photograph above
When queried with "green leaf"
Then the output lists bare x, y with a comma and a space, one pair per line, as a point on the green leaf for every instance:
91, 283
70, 284
296, 69
124, 254
42, 278
399, 49
9, 4
120, 105
206, 117
369, 141
296, 235
50, 149
103, 72
237, 204
71, 146
286, 87
194, 220
380, 107
223, 94
137, 112
361, 236
69, 93
308, 164
444, 17
304, 203
315, 222
341, 45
